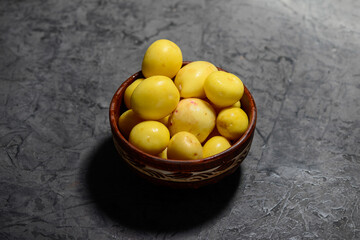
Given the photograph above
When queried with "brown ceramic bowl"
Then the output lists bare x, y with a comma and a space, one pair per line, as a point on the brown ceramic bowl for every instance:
181, 173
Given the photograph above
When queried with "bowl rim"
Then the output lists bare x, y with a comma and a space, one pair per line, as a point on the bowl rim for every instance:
117, 101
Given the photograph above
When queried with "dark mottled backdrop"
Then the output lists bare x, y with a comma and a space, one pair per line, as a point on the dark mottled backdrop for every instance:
61, 62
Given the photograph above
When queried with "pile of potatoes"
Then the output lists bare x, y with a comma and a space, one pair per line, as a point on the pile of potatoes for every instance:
176, 112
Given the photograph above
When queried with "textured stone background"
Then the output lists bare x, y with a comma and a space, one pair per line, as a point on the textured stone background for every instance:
61, 62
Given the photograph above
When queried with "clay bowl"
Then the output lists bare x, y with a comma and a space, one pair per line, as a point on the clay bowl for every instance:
181, 173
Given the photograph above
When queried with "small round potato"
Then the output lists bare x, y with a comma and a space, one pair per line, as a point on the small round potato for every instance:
193, 115
127, 121
223, 89
215, 145
163, 57
190, 79
155, 98
232, 123
129, 90
184, 145
150, 136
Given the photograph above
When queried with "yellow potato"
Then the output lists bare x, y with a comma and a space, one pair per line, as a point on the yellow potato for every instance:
163, 154
150, 136
237, 104
155, 98
184, 145
127, 121
215, 145
165, 120
163, 57
218, 109
232, 123
190, 79
193, 115
214, 133
129, 90
223, 88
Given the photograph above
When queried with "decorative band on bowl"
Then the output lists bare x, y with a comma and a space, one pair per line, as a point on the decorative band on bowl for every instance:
184, 176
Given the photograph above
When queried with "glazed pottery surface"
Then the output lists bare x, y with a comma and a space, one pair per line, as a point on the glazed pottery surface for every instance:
181, 173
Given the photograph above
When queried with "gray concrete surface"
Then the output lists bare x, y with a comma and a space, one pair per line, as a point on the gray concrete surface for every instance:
61, 62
